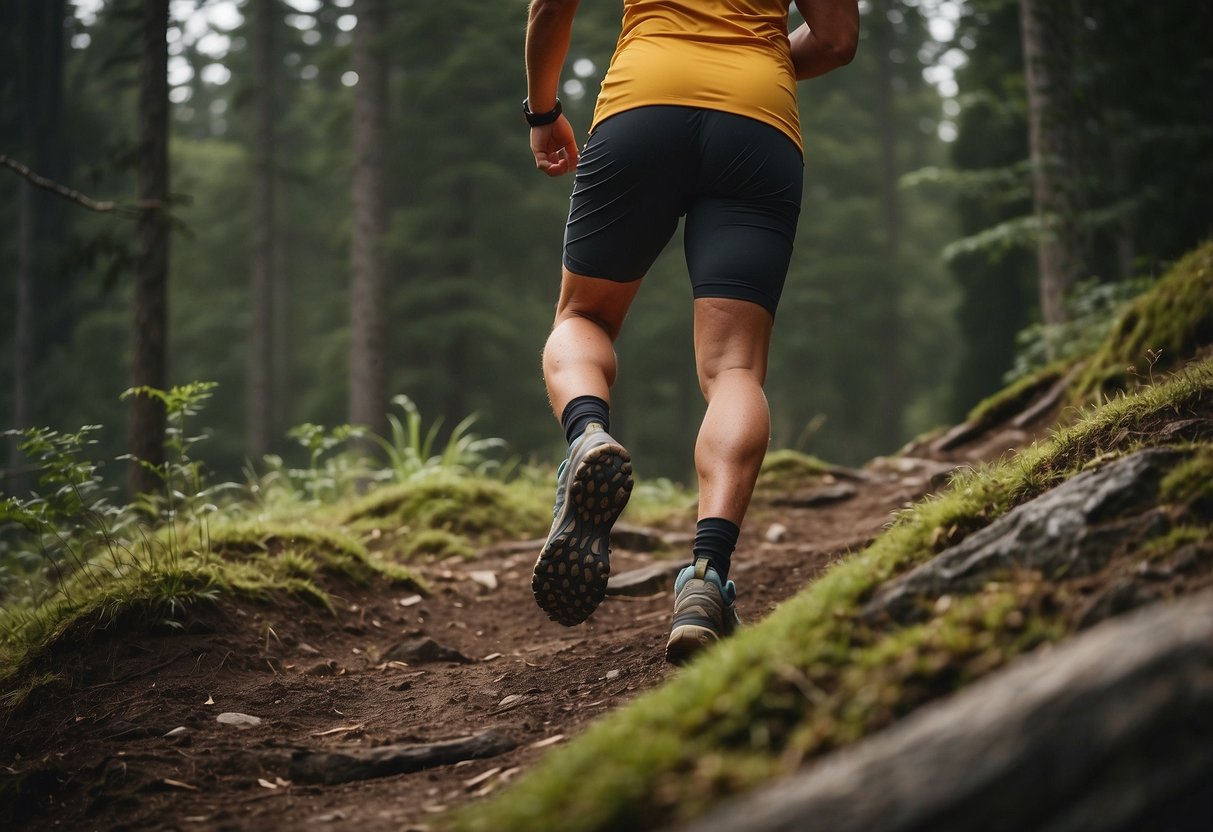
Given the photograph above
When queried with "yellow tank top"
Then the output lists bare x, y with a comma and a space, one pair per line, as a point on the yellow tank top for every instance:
730, 55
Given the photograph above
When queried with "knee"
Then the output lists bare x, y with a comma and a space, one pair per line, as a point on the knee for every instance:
569, 313
711, 376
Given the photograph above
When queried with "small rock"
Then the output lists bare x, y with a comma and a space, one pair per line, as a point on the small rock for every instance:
648, 580
485, 578
777, 533
823, 495
420, 650
239, 720
409, 600
612, 675
637, 539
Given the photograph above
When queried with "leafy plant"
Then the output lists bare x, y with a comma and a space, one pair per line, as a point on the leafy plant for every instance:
410, 453
1092, 309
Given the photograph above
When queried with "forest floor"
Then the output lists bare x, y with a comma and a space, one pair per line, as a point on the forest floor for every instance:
137, 745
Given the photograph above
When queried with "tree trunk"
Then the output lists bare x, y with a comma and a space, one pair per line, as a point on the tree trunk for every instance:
23, 347
1046, 27
890, 206
259, 406
39, 296
367, 386
149, 358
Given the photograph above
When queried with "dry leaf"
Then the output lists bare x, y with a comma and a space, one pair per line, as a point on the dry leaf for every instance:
261, 781
344, 729
480, 778
210, 700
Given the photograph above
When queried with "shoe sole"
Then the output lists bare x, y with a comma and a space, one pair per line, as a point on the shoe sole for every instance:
572, 570
686, 640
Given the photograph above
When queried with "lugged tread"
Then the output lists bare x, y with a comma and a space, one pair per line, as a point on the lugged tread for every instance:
571, 573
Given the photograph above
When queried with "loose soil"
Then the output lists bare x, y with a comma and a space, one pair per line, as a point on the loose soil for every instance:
99, 756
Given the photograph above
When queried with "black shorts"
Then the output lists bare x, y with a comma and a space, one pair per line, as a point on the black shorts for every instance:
737, 181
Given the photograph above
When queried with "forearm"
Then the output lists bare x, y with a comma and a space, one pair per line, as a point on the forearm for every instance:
828, 37
549, 27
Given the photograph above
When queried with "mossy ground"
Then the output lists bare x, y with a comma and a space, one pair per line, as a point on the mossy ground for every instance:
1162, 329
1159, 332
786, 470
815, 675
158, 581
480, 510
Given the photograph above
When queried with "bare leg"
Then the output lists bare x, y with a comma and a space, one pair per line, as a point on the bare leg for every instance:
579, 357
731, 342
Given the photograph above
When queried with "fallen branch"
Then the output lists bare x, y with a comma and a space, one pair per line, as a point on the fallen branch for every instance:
333, 767
72, 195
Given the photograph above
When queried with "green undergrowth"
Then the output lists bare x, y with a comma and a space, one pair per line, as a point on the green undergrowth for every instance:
157, 582
1013, 398
1156, 334
480, 510
784, 470
1159, 331
816, 675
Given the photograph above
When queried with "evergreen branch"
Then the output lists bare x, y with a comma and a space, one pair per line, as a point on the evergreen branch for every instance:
72, 195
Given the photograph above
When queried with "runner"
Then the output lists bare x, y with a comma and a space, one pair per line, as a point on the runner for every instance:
697, 117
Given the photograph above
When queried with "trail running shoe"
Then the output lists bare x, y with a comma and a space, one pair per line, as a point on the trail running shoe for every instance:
592, 487
704, 611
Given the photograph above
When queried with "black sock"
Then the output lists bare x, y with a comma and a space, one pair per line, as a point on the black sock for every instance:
715, 539
580, 412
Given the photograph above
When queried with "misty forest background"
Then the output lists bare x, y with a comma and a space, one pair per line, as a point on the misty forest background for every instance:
352, 213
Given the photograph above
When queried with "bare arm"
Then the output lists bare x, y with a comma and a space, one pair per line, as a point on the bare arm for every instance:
828, 37
549, 27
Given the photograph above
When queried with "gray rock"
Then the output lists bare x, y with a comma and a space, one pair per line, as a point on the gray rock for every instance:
820, 496
648, 580
1070, 530
422, 650
1108, 732
238, 720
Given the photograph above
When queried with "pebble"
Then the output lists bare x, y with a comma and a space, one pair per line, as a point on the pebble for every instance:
239, 720
776, 533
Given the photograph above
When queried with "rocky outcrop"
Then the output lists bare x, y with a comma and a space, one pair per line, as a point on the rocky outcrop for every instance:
1110, 732
1067, 532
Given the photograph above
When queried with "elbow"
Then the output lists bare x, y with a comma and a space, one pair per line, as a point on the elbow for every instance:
842, 49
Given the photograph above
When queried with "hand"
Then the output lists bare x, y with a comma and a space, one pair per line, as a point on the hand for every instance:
555, 147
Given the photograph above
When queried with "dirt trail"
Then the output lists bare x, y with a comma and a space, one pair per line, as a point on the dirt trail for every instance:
99, 758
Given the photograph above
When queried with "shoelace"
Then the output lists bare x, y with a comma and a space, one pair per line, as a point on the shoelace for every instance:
560, 492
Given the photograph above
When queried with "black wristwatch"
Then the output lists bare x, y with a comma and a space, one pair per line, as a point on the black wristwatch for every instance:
540, 119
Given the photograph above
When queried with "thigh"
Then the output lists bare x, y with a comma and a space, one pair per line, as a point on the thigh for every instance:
741, 220
629, 192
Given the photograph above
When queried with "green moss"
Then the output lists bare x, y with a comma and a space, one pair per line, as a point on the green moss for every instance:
157, 584
436, 544
815, 675
1173, 321
1015, 397
1161, 548
333, 552
478, 509
785, 469
1192, 481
